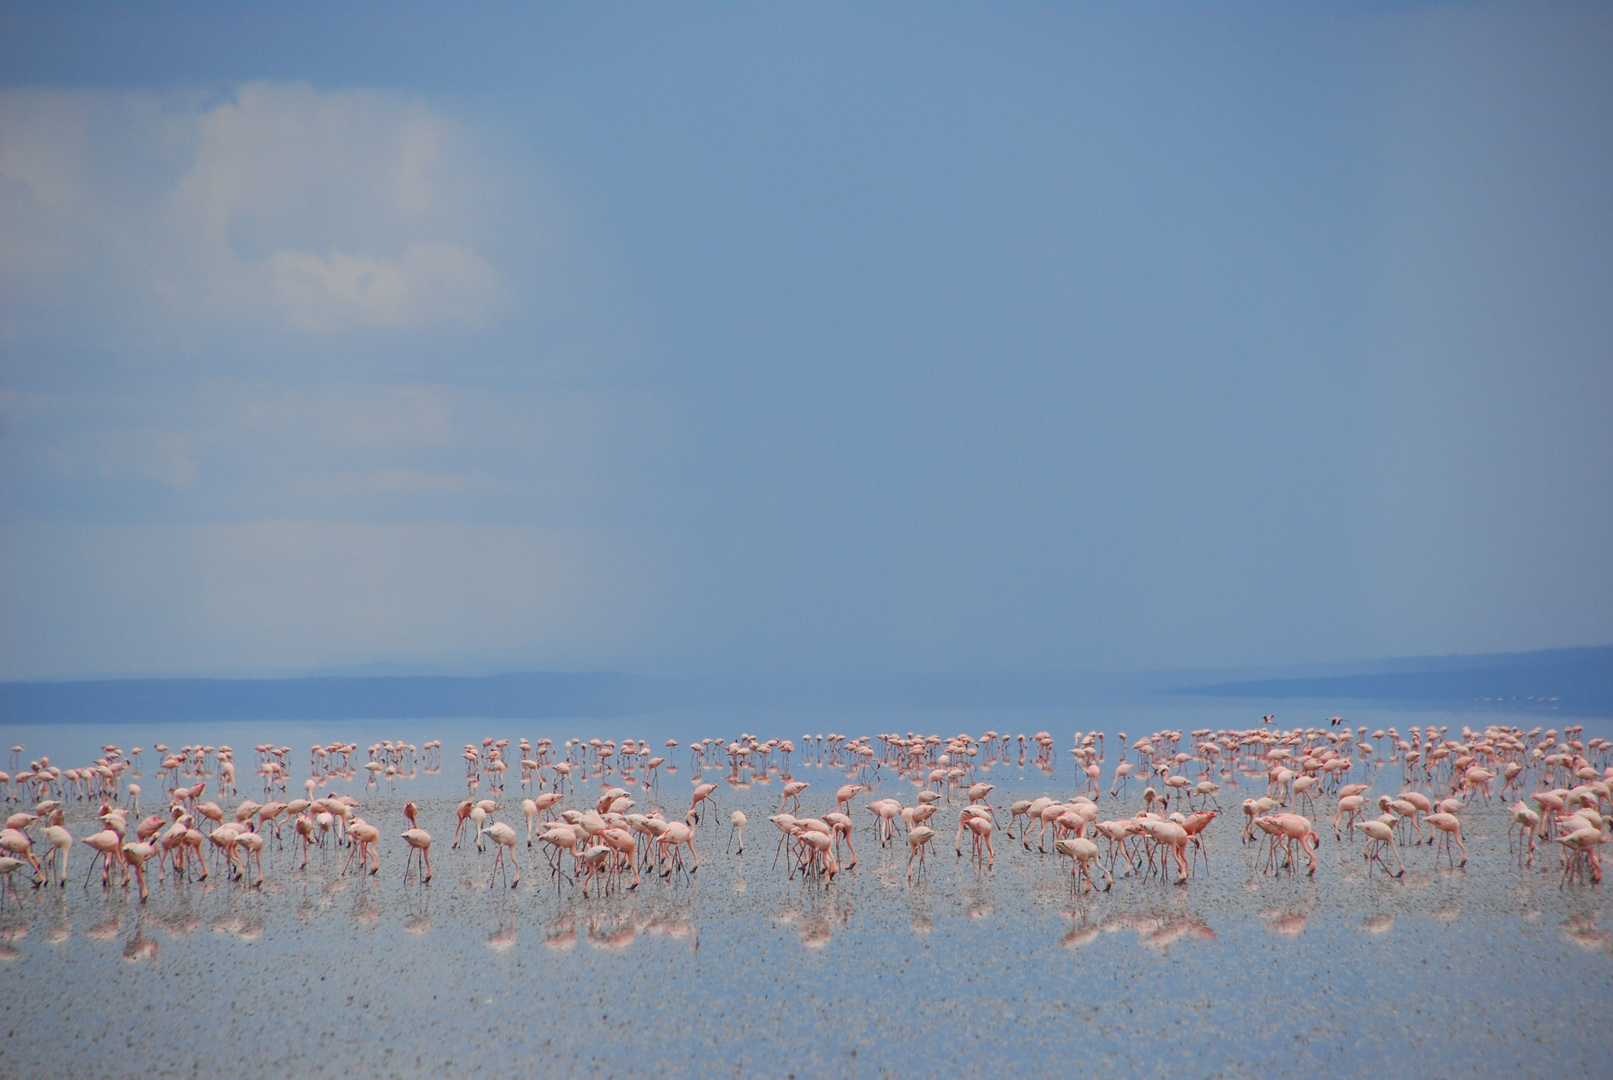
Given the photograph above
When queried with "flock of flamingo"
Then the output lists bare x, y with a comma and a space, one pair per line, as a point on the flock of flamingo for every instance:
605, 840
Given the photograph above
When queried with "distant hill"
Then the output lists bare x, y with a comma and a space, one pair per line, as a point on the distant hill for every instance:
541, 695
366, 697
1575, 682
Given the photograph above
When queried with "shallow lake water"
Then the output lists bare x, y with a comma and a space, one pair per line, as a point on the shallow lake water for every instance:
1485, 970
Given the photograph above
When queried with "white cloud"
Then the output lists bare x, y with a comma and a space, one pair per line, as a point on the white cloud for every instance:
292, 593
353, 449
315, 211
306, 526
431, 283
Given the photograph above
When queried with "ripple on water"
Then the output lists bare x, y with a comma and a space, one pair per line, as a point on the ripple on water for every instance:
751, 939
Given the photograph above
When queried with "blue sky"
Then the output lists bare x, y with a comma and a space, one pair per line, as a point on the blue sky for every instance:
715, 339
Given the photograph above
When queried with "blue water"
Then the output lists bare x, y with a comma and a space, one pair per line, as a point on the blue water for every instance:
1487, 970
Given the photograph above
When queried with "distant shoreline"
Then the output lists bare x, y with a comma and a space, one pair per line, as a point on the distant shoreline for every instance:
1564, 682
1573, 682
